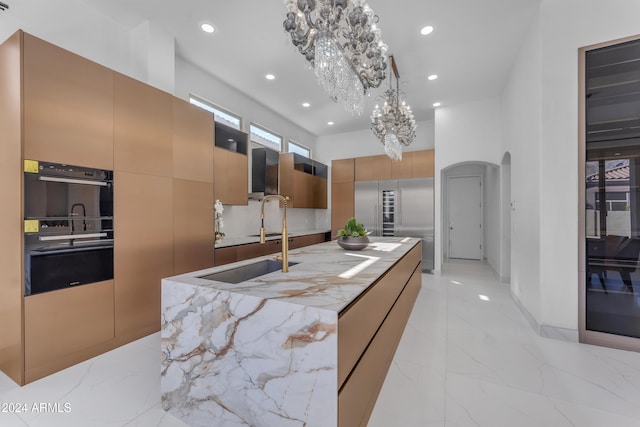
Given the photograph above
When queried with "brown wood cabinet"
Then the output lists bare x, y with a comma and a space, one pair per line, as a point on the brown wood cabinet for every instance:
367, 342
304, 188
59, 107
403, 169
192, 142
11, 219
229, 254
342, 170
142, 128
342, 205
192, 225
423, 164
67, 326
231, 177
143, 220
68, 107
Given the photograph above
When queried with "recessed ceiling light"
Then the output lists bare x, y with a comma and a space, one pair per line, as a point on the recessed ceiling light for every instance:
306, 105
484, 298
207, 27
433, 77
426, 30
230, 140
330, 123
436, 104
270, 77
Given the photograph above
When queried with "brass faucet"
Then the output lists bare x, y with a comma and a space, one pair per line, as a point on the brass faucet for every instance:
285, 233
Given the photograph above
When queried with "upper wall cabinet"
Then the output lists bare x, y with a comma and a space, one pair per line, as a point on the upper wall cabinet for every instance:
414, 164
304, 181
68, 107
231, 166
192, 148
143, 130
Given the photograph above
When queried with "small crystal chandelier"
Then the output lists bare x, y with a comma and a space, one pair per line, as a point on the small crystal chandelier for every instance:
341, 40
394, 124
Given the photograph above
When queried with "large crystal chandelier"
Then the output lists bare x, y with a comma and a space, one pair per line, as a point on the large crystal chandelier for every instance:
394, 124
341, 40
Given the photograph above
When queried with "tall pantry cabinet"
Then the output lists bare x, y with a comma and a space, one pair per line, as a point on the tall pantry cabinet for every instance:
62, 108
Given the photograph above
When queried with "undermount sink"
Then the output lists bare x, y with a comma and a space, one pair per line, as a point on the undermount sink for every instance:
247, 272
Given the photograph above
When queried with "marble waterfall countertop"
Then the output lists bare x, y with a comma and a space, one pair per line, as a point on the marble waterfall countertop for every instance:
264, 352
244, 240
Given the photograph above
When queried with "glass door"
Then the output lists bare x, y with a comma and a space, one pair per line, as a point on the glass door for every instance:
612, 190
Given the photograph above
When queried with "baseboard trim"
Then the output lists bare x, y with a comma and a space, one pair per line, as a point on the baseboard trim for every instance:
546, 331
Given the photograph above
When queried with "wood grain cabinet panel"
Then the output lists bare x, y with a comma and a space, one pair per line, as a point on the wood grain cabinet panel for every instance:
381, 167
359, 323
423, 164
342, 170
62, 326
192, 142
231, 177
302, 190
342, 205
68, 107
225, 255
192, 225
403, 169
363, 168
11, 288
142, 128
357, 398
143, 217
320, 192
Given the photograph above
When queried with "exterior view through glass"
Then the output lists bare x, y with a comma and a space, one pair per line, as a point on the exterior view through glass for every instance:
612, 189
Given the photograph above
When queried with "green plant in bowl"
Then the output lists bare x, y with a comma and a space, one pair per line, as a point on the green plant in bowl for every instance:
353, 236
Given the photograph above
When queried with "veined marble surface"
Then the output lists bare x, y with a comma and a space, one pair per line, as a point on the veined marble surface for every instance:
263, 352
326, 275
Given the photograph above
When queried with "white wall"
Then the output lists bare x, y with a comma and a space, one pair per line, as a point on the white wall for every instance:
491, 216
464, 133
541, 132
522, 129
364, 143
95, 36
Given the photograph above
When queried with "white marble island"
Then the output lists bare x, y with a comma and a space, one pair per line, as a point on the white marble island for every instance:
305, 348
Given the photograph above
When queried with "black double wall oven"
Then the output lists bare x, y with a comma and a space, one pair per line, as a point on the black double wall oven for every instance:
68, 226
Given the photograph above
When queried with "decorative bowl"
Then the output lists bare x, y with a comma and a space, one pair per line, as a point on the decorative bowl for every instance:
353, 243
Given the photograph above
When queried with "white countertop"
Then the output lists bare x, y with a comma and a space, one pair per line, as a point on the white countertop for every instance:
326, 275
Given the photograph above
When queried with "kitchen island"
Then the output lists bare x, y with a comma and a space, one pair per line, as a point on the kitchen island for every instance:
310, 347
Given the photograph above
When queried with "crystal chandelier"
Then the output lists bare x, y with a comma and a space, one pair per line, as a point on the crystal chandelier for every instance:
394, 124
341, 40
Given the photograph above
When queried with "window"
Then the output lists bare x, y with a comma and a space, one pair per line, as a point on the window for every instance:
220, 115
265, 137
294, 147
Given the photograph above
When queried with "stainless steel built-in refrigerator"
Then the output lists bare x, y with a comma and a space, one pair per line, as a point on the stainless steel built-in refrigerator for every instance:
402, 208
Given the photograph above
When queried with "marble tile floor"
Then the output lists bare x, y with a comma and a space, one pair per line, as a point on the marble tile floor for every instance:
462, 361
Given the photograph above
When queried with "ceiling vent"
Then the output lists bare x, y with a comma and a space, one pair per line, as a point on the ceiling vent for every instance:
3, 6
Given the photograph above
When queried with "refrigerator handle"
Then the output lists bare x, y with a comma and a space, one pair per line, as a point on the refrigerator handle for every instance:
398, 208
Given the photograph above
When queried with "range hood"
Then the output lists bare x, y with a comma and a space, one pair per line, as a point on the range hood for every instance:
264, 172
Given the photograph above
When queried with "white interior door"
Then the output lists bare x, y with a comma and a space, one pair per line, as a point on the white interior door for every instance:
465, 217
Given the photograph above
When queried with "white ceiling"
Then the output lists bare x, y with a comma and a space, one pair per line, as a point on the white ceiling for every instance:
471, 50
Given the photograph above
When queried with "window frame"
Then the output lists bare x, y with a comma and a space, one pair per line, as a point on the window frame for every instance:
212, 107
269, 144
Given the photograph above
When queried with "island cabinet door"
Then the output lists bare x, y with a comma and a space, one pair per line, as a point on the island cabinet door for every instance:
368, 334
357, 397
